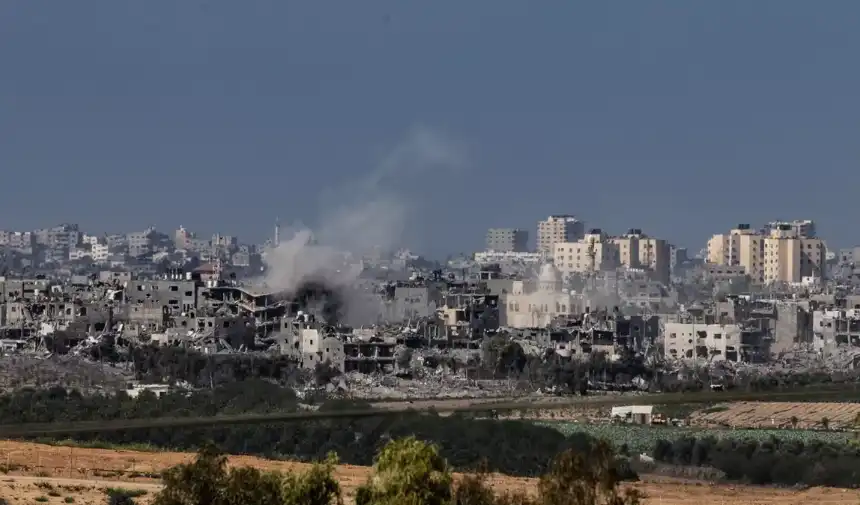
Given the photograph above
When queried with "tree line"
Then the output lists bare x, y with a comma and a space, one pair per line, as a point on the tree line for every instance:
773, 461
511, 447
405, 472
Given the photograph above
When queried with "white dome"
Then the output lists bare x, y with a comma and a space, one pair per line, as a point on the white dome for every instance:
548, 274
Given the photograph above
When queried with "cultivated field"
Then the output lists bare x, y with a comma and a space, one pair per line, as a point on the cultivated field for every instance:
56, 474
778, 415
639, 438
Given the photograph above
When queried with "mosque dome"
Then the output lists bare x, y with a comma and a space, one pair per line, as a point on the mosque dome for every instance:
549, 278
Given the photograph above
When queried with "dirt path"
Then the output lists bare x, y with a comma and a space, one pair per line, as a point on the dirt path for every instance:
83, 475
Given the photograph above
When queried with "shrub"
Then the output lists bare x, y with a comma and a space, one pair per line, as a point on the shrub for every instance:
585, 478
208, 481
406, 472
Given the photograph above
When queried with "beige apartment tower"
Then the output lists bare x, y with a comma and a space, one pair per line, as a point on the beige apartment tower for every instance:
790, 257
782, 255
637, 250
743, 247
556, 229
592, 253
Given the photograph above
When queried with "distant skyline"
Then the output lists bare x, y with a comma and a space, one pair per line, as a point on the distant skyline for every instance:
679, 118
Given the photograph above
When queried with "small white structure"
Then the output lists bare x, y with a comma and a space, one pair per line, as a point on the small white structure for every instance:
636, 414
133, 389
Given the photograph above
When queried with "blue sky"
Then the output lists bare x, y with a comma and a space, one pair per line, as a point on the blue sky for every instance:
679, 117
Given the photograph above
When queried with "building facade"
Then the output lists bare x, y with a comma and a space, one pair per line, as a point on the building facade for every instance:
526, 308
781, 256
557, 229
803, 228
593, 253
637, 250
507, 240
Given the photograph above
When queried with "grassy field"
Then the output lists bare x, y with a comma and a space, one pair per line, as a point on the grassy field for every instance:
642, 438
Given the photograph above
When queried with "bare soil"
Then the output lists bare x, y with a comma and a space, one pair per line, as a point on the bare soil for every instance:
56, 473
778, 415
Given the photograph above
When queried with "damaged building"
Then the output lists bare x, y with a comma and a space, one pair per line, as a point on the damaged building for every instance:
535, 306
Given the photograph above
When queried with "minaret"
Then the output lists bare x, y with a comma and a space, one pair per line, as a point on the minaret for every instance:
277, 232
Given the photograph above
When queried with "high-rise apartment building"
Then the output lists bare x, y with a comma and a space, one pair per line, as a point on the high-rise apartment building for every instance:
594, 252
743, 247
789, 257
182, 238
637, 250
557, 229
783, 255
507, 240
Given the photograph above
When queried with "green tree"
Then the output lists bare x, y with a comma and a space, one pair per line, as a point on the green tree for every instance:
317, 486
249, 486
207, 481
407, 472
585, 478
197, 483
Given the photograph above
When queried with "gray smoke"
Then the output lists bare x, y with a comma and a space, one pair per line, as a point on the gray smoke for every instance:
364, 216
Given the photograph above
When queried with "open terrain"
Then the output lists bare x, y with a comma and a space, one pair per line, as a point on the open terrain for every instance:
778, 415
641, 438
57, 474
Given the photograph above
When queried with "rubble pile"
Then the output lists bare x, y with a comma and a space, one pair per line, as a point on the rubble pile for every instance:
433, 384
68, 372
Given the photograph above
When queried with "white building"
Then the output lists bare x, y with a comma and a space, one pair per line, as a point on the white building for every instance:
488, 257
537, 308
78, 253
716, 342
100, 252
802, 228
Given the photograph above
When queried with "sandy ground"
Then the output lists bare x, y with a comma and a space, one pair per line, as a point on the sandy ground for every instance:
59, 474
778, 414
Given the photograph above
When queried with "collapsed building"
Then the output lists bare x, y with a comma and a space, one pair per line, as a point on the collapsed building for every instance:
602, 331
201, 310
741, 329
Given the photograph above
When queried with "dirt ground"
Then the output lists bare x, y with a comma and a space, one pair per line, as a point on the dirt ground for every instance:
55, 475
778, 414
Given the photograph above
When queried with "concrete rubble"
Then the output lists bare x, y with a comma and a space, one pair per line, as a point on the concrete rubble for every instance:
422, 337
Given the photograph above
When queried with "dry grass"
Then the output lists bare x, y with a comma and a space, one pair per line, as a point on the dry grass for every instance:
778, 414
93, 470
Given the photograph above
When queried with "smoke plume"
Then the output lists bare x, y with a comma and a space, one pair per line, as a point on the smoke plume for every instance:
365, 216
